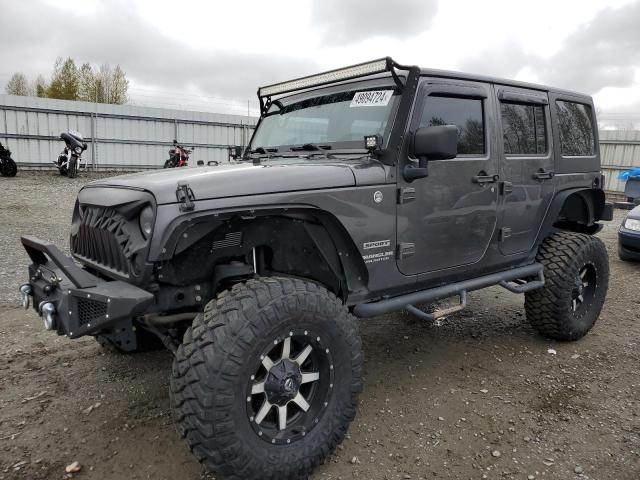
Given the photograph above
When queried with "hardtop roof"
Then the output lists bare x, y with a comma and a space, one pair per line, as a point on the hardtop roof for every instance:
432, 72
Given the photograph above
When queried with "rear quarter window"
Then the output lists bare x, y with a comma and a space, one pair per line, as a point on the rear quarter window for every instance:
575, 121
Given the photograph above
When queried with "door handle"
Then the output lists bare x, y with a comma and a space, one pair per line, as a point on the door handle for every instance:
482, 177
542, 174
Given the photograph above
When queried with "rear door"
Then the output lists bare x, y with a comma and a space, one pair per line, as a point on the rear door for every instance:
527, 184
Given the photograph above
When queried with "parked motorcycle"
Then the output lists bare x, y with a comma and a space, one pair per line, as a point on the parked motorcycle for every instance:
8, 167
178, 156
70, 159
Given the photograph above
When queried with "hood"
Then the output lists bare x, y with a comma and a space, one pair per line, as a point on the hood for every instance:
236, 179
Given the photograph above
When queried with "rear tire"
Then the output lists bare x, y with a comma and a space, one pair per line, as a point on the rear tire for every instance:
243, 420
576, 269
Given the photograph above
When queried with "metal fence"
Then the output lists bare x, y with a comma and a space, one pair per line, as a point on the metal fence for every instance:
133, 138
118, 136
620, 150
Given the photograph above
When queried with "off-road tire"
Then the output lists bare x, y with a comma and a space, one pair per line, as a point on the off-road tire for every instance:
72, 168
145, 342
551, 309
216, 360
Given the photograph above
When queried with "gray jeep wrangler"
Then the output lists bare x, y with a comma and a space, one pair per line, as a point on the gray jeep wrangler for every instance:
365, 190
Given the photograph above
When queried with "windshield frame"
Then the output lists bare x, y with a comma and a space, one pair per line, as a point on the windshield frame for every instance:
383, 81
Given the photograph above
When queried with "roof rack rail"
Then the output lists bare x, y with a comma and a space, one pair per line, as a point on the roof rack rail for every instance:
381, 65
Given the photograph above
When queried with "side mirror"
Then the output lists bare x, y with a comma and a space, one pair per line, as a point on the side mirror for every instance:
432, 143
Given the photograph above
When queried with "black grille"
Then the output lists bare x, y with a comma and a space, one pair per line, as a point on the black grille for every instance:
102, 239
90, 310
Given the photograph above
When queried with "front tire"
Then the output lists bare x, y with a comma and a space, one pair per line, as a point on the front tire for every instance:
72, 169
9, 168
576, 269
266, 381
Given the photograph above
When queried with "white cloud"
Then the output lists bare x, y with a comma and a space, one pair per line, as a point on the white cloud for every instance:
191, 51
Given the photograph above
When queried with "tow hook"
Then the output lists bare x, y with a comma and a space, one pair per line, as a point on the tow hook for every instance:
26, 291
48, 313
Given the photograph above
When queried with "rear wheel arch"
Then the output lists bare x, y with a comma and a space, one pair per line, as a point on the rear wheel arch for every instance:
579, 210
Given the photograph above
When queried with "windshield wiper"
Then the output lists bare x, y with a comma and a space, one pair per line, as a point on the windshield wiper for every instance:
310, 147
263, 151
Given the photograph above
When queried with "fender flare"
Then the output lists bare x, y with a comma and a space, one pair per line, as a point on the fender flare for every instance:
592, 199
353, 268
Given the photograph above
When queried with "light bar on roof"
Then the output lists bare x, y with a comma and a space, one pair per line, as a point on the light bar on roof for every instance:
368, 68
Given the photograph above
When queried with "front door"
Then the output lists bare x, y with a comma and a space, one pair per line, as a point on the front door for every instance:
527, 166
448, 218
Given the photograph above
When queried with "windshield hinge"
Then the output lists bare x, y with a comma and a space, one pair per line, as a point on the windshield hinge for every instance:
406, 194
185, 197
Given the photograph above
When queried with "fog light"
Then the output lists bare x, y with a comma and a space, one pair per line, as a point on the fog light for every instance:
48, 312
26, 291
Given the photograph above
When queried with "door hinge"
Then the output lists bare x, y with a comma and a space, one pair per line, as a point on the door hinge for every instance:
406, 250
506, 187
185, 197
505, 232
406, 194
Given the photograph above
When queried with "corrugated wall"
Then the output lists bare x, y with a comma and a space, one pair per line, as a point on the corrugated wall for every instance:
119, 136
619, 150
128, 137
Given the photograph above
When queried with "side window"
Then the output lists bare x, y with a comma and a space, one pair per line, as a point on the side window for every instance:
576, 129
465, 113
523, 128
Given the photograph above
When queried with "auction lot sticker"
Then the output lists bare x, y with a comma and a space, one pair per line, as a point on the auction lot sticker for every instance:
372, 98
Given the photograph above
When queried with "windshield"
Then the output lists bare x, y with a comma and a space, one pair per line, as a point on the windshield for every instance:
336, 119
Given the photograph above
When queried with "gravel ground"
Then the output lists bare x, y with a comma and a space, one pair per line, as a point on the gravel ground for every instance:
477, 395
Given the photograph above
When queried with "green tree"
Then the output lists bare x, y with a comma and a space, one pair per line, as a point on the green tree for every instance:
105, 85
18, 85
64, 82
40, 87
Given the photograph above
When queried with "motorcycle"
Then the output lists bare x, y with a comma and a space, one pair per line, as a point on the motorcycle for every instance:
8, 167
70, 159
178, 156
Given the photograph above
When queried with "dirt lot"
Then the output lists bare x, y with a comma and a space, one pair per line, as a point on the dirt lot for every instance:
475, 396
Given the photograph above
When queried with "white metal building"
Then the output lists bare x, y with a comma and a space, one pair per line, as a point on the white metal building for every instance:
620, 150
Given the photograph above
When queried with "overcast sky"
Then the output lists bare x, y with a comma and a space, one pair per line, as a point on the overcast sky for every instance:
213, 55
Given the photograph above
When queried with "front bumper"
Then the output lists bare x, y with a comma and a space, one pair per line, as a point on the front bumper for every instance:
83, 304
629, 243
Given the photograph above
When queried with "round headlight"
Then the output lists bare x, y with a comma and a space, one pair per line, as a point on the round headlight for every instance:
78, 150
146, 221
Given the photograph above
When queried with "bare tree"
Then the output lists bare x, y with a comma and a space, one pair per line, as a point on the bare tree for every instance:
18, 85
87, 86
120, 87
